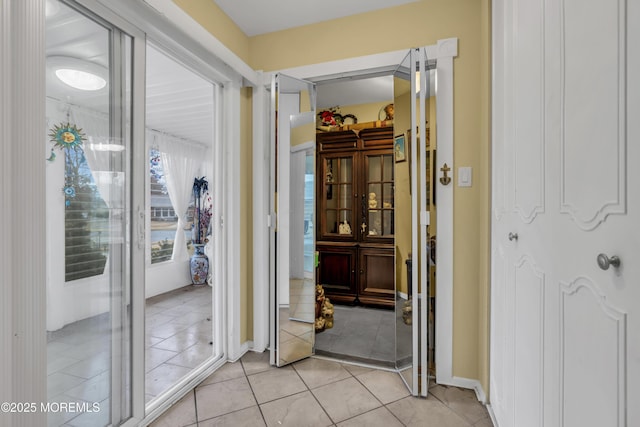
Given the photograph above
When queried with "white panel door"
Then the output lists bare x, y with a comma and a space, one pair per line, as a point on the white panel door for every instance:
566, 191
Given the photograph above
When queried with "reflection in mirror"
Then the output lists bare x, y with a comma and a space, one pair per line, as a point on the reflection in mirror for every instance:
297, 320
403, 231
295, 296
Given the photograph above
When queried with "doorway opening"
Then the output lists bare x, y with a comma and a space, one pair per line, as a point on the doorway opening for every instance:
417, 70
363, 218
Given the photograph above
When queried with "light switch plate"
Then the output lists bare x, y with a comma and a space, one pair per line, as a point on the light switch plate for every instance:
464, 176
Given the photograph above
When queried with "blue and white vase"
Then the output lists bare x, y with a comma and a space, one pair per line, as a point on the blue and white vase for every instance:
199, 265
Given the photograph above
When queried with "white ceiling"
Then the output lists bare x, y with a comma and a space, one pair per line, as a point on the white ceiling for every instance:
256, 17
179, 102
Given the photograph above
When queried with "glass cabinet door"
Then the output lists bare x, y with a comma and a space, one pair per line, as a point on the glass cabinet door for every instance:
377, 205
337, 218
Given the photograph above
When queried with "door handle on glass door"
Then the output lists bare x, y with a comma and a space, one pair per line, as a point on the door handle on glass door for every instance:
141, 229
513, 236
604, 261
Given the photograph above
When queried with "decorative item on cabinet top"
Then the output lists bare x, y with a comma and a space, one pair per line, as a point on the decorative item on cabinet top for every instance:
329, 121
332, 119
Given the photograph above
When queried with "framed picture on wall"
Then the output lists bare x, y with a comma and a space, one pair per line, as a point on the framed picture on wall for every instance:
400, 148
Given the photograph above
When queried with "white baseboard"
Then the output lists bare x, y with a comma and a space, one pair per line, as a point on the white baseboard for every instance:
492, 415
242, 350
466, 383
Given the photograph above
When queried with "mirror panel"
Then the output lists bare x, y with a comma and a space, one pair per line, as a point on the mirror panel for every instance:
403, 120
295, 236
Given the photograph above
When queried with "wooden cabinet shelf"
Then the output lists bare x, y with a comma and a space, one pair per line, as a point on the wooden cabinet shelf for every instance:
355, 215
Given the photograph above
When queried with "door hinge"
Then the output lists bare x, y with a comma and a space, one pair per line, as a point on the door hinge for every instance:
272, 220
425, 218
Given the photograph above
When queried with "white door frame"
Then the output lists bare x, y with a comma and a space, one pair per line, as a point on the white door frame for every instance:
23, 272
444, 51
22, 251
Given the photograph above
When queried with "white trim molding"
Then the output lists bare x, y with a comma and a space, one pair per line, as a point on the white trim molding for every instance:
6, 203
203, 37
230, 222
472, 385
447, 50
261, 193
23, 252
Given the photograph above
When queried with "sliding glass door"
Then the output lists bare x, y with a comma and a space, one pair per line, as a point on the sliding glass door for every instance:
93, 230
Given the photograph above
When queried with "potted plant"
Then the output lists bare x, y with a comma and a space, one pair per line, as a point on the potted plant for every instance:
199, 263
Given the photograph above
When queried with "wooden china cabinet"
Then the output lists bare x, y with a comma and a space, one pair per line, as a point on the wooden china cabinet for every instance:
355, 216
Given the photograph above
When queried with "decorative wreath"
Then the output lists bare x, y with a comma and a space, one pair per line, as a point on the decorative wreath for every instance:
66, 135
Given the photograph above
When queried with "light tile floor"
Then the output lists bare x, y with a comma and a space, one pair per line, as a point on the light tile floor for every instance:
178, 336
318, 392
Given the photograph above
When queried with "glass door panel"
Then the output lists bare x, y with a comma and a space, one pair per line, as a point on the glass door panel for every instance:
179, 315
88, 108
337, 197
378, 200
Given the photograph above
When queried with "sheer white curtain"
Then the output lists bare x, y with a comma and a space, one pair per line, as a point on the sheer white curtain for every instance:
99, 149
182, 162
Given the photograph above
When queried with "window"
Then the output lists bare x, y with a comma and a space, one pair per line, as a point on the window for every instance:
164, 221
86, 219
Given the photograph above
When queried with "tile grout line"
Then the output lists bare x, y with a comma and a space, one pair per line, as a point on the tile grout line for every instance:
464, 418
376, 397
195, 403
314, 396
246, 377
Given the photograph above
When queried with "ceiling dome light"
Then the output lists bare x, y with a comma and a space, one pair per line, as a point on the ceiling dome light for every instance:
79, 74
80, 79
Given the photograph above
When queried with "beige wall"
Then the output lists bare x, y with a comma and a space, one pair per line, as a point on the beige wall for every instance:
484, 176
364, 112
427, 21
213, 19
367, 33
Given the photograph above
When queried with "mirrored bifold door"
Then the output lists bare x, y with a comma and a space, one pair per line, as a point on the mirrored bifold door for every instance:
292, 275
92, 224
411, 86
